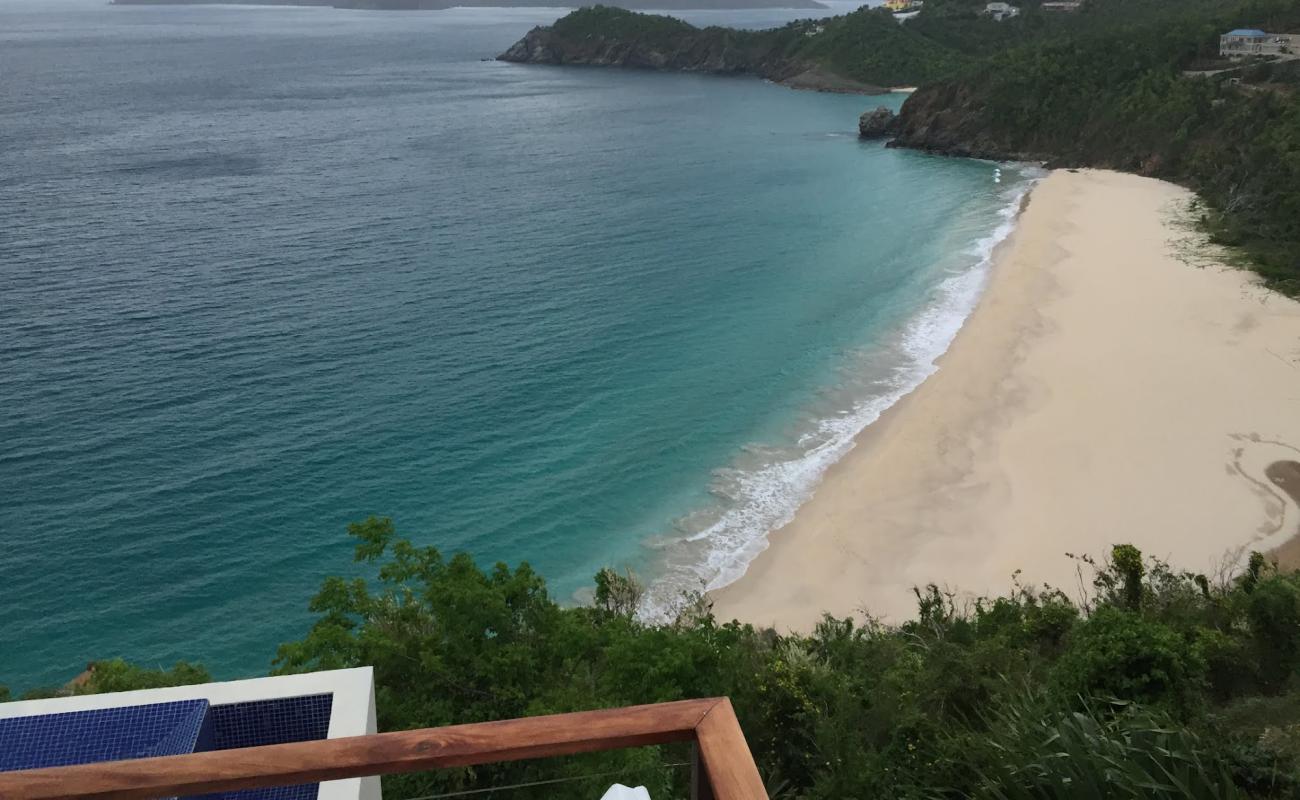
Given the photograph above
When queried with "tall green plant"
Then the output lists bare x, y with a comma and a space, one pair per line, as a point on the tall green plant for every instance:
1103, 750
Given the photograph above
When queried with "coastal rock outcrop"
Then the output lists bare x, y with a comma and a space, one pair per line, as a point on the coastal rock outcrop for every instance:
876, 123
951, 118
683, 52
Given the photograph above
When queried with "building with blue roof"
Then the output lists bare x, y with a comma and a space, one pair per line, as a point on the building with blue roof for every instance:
1245, 42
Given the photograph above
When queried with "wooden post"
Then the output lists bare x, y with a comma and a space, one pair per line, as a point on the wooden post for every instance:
726, 756
700, 788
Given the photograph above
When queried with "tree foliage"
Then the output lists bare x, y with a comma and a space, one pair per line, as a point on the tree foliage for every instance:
1112, 89
1157, 683
964, 700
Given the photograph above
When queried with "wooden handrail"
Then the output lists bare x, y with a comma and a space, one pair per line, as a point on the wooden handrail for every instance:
724, 755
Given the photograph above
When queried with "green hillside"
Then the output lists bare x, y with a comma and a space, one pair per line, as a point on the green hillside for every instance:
1115, 95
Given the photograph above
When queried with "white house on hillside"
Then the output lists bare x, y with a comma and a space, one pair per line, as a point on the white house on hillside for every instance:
1000, 11
1244, 42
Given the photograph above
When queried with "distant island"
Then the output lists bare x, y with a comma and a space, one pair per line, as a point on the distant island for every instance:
435, 5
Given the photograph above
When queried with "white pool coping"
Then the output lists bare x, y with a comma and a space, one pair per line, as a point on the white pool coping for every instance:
352, 712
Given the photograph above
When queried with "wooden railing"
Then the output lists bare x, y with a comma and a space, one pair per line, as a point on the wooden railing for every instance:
724, 767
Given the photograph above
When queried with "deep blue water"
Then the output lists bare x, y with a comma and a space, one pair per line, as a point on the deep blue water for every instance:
267, 271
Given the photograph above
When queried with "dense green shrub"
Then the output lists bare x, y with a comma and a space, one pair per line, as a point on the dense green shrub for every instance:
1108, 90
117, 675
1118, 653
1033, 749
1025, 695
1273, 613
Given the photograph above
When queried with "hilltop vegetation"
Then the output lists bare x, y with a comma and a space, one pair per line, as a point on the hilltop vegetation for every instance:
866, 46
1116, 97
1156, 684
1102, 87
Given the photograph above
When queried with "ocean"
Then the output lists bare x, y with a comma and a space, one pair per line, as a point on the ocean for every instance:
267, 271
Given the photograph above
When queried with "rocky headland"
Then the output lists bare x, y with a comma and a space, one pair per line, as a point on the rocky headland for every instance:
949, 118
611, 37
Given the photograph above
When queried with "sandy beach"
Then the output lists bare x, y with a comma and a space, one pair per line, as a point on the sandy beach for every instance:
1106, 389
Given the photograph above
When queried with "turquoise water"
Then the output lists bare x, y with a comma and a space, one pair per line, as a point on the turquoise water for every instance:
268, 271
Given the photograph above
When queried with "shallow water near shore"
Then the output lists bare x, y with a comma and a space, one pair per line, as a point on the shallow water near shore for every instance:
268, 271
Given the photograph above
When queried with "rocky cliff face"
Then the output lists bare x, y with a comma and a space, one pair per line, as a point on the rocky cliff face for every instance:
951, 118
836, 54
954, 118
712, 50
943, 118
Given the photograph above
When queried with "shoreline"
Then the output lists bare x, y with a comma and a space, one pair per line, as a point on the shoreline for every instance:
1099, 383
765, 496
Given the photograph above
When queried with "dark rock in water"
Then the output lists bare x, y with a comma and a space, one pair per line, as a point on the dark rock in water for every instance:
876, 123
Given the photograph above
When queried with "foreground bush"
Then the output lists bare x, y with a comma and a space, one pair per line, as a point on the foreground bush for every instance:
1155, 684
1032, 749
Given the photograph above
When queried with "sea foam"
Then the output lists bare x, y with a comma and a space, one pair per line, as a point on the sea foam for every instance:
763, 489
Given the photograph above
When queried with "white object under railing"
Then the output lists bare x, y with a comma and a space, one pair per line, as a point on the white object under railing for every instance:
620, 792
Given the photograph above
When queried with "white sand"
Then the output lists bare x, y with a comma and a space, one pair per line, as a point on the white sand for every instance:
1104, 391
